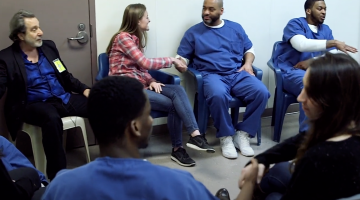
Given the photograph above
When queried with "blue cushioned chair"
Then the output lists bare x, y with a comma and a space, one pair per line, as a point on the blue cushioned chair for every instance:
163, 77
201, 109
282, 99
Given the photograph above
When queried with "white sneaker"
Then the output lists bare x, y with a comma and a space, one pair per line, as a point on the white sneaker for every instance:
242, 142
227, 147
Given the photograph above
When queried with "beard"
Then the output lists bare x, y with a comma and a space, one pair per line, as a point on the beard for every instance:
33, 43
316, 20
212, 19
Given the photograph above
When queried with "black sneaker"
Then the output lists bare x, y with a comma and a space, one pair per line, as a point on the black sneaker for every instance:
182, 158
200, 143
223, 194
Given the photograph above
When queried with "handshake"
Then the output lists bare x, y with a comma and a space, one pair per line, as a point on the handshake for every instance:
180, 64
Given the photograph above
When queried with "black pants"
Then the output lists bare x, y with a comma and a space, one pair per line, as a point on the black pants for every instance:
22, 183
48, 116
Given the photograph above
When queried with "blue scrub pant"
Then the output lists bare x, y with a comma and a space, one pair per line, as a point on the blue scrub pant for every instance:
293, 84
218, 92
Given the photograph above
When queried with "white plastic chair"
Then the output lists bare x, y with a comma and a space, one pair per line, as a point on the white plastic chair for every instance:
36, 139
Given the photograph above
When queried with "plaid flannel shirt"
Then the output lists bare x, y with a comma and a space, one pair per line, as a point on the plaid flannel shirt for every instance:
127, 59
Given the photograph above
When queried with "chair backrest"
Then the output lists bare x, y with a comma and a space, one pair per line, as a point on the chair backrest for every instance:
277, 71
103, 61
271, 61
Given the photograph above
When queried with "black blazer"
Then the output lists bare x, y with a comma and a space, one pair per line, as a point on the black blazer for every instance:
13, 79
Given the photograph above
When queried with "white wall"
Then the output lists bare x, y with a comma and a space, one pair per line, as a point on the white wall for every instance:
262, 20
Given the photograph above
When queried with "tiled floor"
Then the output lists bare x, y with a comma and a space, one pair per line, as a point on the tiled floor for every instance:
213, 170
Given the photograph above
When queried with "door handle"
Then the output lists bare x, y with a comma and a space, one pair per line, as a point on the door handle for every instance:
76, 38
82, 37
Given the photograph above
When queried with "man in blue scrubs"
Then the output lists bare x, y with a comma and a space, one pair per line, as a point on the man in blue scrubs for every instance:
217, 48
303, 40
119, 115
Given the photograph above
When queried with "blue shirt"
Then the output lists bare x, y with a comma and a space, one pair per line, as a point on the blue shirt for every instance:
215, 50
14, 159
42, 83
285, 56
118, 178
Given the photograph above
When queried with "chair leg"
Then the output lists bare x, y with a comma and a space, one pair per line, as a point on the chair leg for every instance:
235, 115
259, 135
274, 110
81, 123
64, 139
279, 123
196, 107
279, 115
203, 114
38, 150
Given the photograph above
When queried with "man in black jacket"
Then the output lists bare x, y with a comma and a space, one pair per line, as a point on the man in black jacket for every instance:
40, 90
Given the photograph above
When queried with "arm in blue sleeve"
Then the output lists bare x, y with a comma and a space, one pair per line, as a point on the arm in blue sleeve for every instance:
294, 27
187, 46
247, 42
16, 158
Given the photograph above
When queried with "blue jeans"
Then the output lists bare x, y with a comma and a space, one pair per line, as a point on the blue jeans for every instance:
174, 100
276, 181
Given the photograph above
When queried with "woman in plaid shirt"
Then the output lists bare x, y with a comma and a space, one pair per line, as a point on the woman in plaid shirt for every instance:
126, 58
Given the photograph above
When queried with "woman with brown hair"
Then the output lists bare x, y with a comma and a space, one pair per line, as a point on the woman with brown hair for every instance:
325, 162
126, 58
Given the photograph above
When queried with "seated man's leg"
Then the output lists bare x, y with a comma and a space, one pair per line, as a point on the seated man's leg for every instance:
77, 106
46, 116
217, 95
255, 94
293, 83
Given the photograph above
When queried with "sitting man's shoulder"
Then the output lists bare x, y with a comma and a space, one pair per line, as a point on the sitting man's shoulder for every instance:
7, 50
234, 25
49, 43
196, 27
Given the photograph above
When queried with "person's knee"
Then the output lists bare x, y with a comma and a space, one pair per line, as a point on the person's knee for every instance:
274, 196
52, 121
217, 96
53, 118
282, 171
262, 92
177, 88
178, 91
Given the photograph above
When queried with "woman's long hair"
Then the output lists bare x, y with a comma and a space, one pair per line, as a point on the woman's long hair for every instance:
132, 14
334, 85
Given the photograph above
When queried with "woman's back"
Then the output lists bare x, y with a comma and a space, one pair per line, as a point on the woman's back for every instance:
328, 170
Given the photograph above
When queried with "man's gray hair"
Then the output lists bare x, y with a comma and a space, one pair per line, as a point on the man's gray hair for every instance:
17, 24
